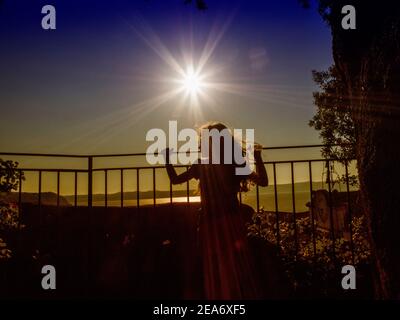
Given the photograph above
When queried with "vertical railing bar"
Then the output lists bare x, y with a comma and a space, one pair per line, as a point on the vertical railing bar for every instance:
331, 210
349, 212
240, 197
154, 187
137, 189
122, 187
58, 189
187, 188
40, 211
278, 236
170, 192
312, 209
40, 189
258, 198
20, 235
89, 223
90, 181
106, 188
57, 214
19, 195
76, 189
294, 210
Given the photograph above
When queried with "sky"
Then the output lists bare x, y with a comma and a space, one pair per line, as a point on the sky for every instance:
104, 77
113, 70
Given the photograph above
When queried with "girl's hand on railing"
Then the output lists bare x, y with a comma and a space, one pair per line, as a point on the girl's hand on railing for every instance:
257, 150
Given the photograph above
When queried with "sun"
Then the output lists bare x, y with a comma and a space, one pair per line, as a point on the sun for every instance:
192, 81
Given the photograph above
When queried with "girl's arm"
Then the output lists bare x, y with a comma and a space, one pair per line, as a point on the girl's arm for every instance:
260, 176
173, 176
179, 178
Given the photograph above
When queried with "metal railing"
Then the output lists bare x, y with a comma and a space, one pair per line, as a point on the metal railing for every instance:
90, 170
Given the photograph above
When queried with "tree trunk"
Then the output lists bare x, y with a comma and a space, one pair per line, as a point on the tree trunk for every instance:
369, 61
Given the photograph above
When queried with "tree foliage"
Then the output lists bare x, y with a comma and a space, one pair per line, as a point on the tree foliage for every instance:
334, 122
10, 179
368, 64
333, 118
9, 176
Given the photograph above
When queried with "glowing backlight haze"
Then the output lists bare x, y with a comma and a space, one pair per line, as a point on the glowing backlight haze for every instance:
192, 81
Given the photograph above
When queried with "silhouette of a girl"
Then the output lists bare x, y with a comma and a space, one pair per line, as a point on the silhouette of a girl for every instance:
227, 264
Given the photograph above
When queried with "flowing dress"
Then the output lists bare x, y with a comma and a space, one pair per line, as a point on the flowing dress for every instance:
228, 265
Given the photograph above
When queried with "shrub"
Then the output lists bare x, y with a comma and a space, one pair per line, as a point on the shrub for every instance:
304, 267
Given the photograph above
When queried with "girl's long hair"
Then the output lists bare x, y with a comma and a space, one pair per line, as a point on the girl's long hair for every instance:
245, 183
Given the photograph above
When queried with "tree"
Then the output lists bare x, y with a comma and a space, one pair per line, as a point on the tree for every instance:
334, 122
9, 177
9, 212
333, 118
367, 60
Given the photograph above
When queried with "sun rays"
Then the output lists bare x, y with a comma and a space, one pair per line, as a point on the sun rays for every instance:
190, 81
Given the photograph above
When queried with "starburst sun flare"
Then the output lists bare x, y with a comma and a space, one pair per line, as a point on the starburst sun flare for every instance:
192, 81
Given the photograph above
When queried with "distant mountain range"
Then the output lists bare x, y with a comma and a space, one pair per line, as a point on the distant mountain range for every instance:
46, 198
50, 198
131, 195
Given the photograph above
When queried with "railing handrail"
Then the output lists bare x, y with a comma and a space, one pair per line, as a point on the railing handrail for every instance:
85, 156
176, 166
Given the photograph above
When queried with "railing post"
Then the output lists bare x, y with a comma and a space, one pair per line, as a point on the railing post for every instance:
90, 182
278, 236
331, 213
350, 219
106, 188
312, 210
75, 188
296, 241
89, 233
154, 188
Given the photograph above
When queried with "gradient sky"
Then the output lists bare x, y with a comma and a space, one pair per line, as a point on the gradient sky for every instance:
92, 85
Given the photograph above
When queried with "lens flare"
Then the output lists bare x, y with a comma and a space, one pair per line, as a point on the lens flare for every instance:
192, 81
